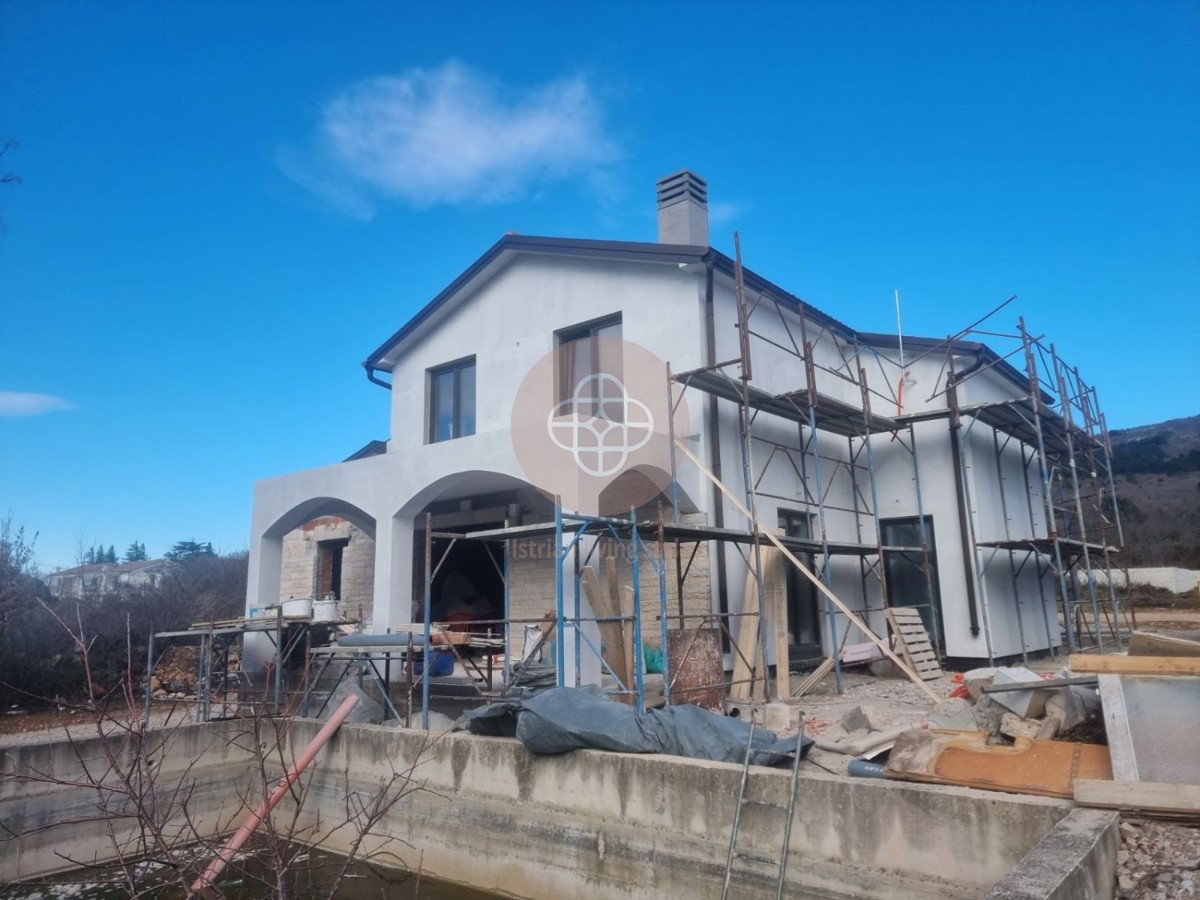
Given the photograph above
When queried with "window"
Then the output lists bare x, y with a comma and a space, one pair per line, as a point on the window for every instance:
908, 584
452, 401
582, 353
804, 620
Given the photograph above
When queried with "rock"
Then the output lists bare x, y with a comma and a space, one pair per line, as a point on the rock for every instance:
988, 714
852, 721
1029, 704
976, 679
1015, 726
954, 714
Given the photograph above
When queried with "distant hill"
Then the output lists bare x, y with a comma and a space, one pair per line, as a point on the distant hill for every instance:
1157, 474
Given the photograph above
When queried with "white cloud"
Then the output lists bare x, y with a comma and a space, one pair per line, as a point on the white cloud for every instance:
449, 135
14, 404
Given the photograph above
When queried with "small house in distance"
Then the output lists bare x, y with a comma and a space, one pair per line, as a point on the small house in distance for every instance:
98, 579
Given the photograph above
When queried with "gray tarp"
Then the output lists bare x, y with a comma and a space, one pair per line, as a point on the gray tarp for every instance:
562, 719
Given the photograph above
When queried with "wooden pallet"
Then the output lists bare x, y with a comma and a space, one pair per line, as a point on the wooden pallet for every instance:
913, 640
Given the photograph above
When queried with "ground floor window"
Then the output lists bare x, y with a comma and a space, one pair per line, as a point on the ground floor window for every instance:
908, 583
804, 620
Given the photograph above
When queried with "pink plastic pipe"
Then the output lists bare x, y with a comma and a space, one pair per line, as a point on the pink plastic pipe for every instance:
217, 866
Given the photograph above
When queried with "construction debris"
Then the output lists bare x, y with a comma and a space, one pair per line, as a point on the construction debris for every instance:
1028, 766
1158, 859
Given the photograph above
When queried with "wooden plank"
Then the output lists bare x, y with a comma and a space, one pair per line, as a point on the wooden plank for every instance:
804, 570
818, 675
1116, 726
748, 643
777, 590
1139, 796
610, 632
1143, 643
622, 602
1084, 663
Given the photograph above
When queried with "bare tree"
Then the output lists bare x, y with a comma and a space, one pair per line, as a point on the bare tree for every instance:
151, 820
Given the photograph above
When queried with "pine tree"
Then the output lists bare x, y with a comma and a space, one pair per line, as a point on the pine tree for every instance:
135, 553
111, 555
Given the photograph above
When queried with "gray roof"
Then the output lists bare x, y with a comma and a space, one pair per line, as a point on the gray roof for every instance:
633, 251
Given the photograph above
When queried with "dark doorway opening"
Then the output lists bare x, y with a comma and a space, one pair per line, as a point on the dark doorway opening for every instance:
908, 583
329, 560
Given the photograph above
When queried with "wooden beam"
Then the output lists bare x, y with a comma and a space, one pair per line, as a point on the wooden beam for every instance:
1082, 663
807, 573
1140, 796
742, 687
777, 588
611, 636
1145, 644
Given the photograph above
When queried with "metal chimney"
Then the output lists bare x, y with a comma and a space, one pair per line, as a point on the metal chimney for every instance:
683, 209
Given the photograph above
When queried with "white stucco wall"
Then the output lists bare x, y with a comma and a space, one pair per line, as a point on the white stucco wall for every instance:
508, 322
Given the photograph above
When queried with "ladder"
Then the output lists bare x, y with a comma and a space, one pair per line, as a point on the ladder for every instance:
788, 810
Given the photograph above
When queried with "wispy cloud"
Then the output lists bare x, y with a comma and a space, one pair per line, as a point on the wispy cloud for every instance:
449, 135
15, 404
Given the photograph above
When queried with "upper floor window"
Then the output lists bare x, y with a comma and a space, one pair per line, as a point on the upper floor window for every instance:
452, 400
582, 353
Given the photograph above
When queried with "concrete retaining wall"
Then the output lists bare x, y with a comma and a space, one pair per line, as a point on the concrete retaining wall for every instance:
611, 825
61, 800
486, 813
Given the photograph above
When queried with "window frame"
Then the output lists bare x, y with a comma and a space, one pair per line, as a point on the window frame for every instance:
432, 397
589, 331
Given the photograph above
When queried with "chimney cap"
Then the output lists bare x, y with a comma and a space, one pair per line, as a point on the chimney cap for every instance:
681, 185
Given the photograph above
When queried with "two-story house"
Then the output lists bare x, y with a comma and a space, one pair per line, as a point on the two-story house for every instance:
903, 481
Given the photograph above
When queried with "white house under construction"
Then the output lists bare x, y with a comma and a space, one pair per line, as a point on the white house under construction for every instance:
968, 480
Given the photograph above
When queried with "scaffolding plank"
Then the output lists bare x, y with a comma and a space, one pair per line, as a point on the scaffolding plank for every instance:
832, 415
1135, 665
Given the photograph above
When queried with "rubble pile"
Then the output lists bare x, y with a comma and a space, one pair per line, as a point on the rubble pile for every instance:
175, 672
1158, 860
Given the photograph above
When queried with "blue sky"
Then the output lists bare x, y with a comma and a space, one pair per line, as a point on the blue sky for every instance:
225, 207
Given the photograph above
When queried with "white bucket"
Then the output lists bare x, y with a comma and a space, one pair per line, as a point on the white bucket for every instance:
297, 609
325, 611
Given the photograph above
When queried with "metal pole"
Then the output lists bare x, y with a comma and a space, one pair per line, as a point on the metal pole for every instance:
560, 658
1037, 569
426, 648
1012, 563
746, 421
1065, 400
671, 437
149, 677
934, 613
638, 653
662, 608
1035, 392
507, 610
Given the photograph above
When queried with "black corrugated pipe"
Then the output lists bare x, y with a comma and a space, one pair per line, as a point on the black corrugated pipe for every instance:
964, 530
371, 377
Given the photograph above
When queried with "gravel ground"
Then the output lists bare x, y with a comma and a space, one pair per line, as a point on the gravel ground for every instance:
1158, 860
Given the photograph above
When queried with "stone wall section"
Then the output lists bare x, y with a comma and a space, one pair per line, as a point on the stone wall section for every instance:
300, 573
532, 582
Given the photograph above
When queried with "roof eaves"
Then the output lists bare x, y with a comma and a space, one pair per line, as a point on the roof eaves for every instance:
978, 348
516, 243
